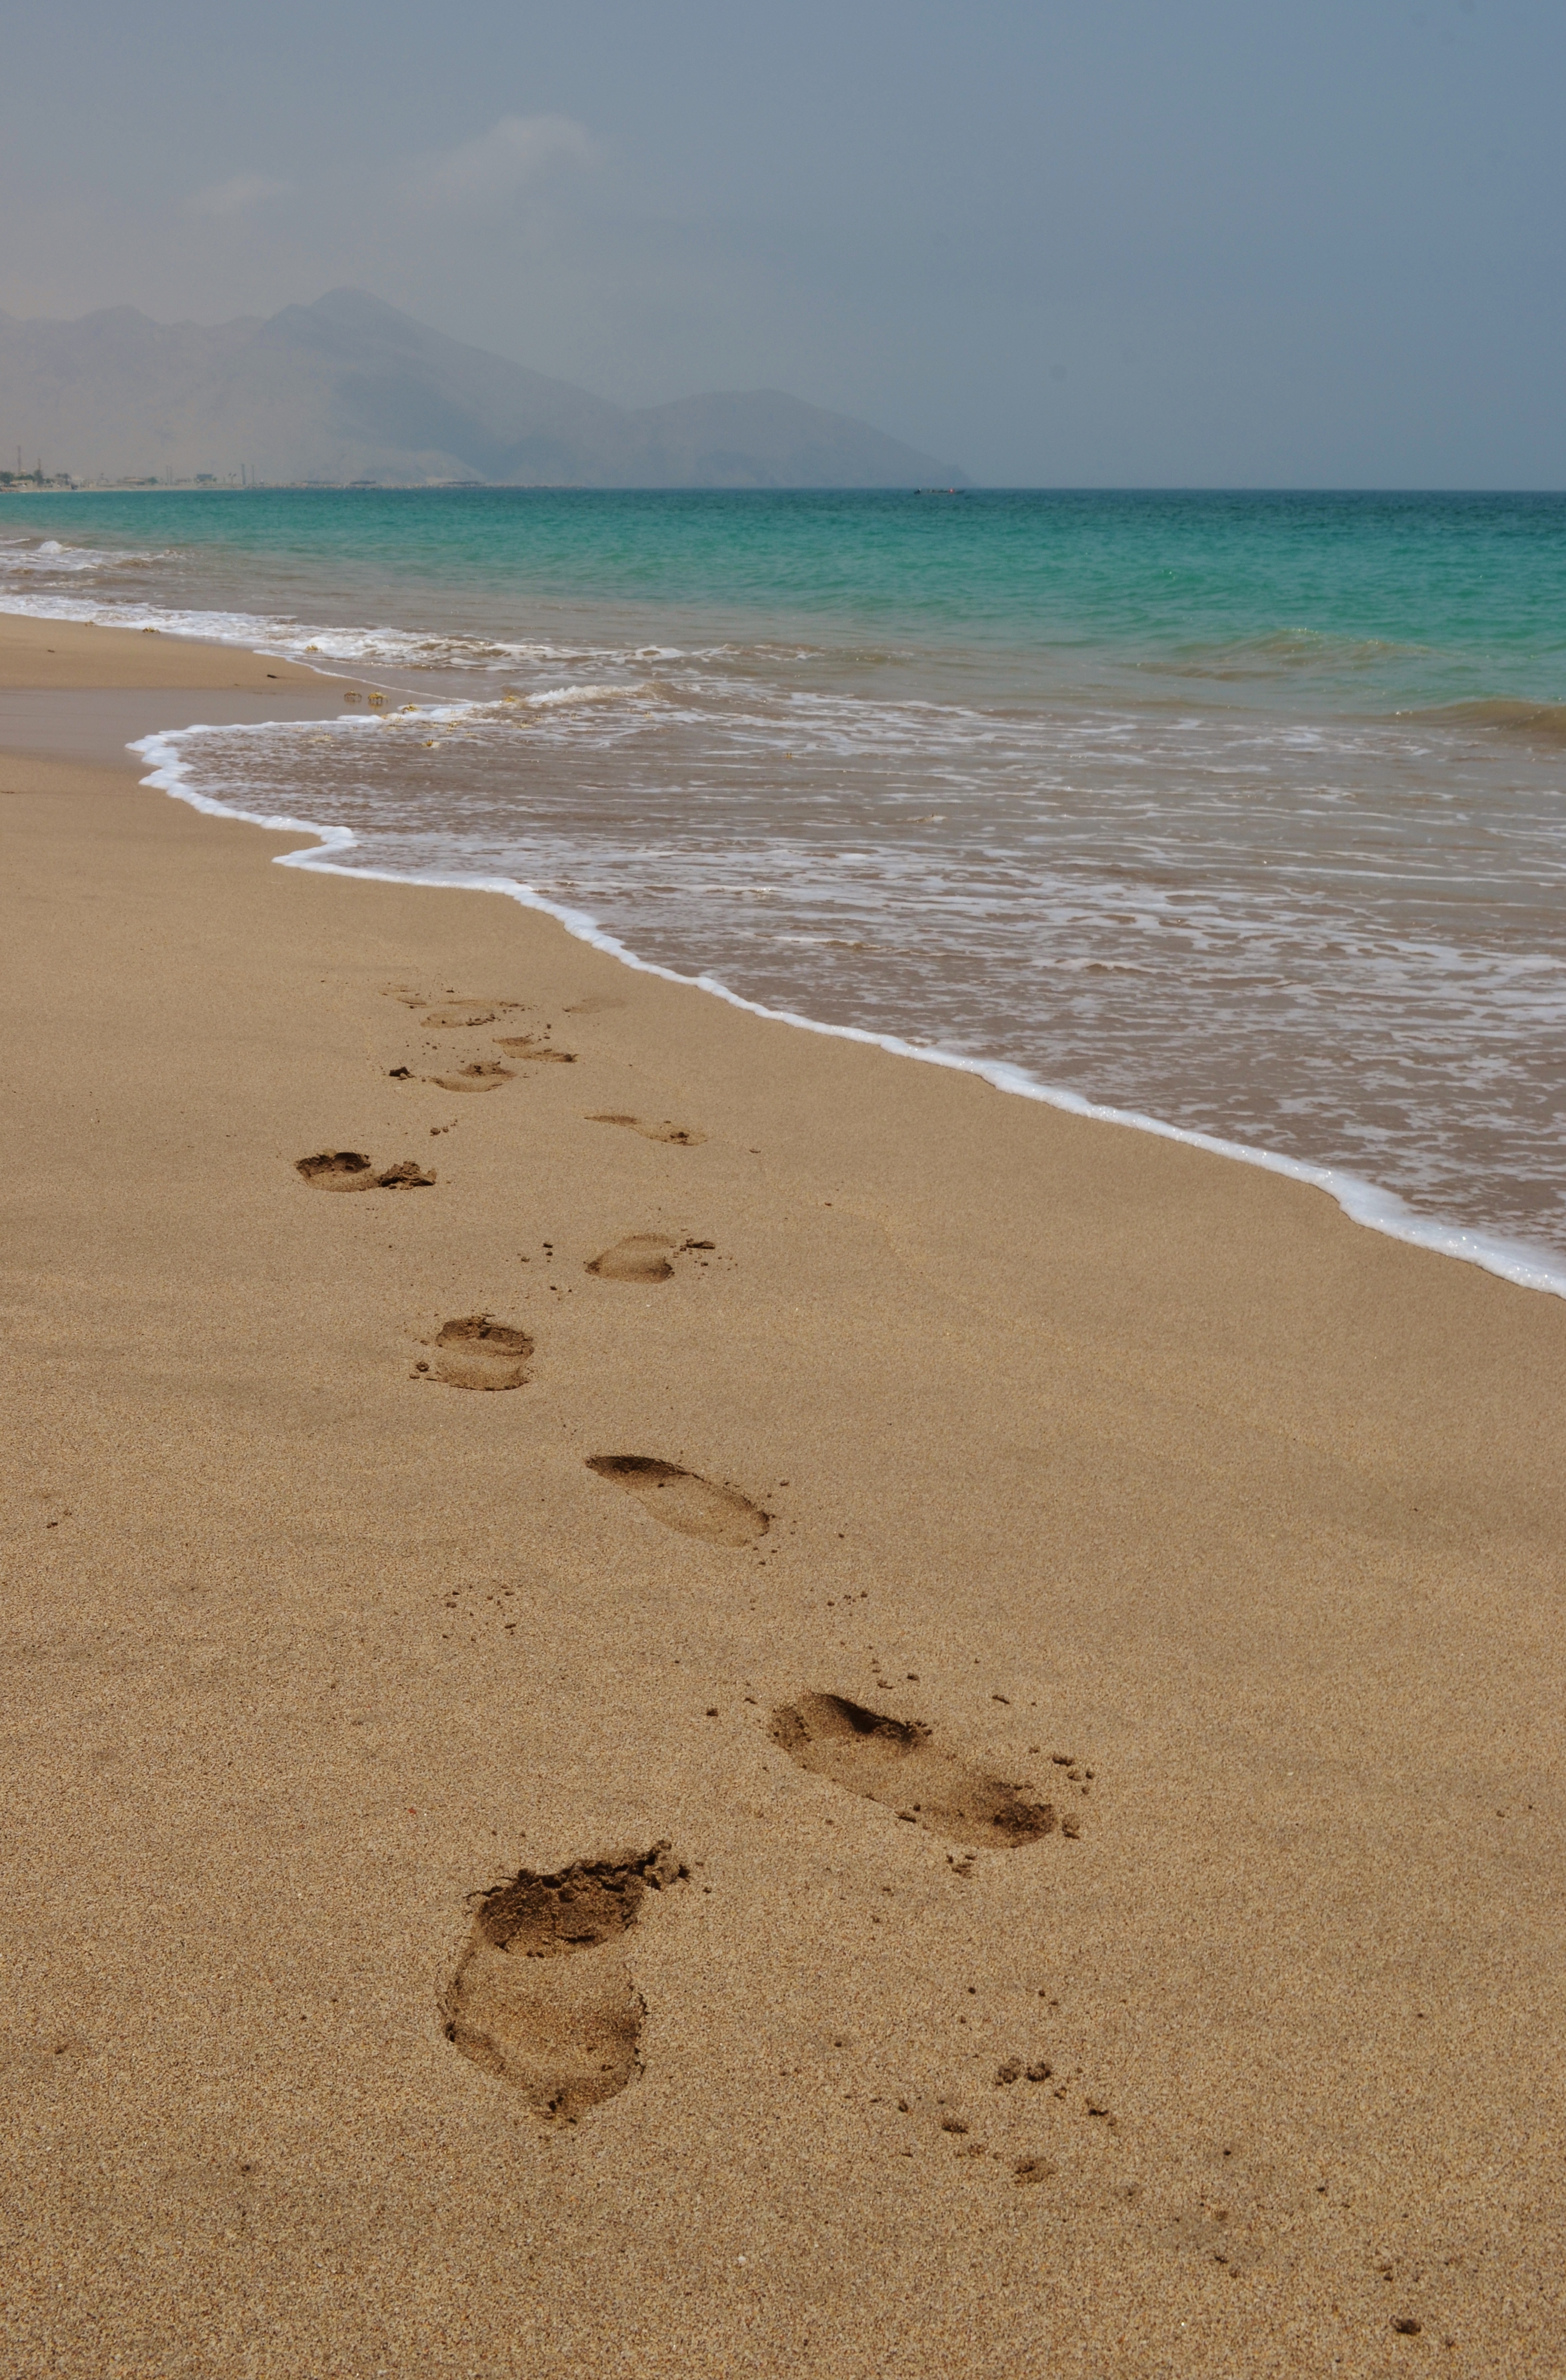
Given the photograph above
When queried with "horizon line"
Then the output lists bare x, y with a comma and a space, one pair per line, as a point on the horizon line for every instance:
26, 484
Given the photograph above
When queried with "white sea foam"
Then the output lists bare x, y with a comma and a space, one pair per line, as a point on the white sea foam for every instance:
558, 698
285, 636
48, 557
1361, 1200
277, 637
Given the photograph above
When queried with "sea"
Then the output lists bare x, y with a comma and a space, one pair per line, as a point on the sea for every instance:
1238, 817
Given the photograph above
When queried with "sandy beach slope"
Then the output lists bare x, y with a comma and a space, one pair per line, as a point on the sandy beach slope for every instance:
1173, 1986
79, 655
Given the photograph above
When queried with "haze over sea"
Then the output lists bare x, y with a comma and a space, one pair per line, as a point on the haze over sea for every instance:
1240, 812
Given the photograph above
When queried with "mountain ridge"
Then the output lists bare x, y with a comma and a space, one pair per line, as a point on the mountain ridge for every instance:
350, 389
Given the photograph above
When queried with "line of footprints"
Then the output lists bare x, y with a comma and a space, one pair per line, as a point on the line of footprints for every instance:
542, 1996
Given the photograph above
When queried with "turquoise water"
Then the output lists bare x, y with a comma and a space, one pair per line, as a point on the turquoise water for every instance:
1243, 813
1386, 599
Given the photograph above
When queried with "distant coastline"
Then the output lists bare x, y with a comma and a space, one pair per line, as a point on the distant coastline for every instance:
204, 483
211, 486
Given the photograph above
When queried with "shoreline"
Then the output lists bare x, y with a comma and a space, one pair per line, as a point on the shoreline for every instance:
1510, 1255
1524, 1264
1365, 1202
1250, 1512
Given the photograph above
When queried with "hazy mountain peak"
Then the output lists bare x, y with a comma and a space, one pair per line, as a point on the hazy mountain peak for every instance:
350, 388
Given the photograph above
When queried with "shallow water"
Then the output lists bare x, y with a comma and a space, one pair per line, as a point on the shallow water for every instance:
1244, 814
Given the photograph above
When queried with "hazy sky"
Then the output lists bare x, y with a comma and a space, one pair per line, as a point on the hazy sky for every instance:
1077, 241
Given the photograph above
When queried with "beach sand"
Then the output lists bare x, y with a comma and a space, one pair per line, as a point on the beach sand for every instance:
1204, 2016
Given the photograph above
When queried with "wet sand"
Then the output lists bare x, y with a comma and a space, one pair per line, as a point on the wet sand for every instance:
1173, 1985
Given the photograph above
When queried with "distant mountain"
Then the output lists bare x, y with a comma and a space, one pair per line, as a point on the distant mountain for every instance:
350, 389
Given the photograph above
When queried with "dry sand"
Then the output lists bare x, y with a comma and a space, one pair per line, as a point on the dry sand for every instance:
1068, 1442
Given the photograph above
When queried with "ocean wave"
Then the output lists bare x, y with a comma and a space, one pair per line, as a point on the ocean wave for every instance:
1531, 723
562, 697
278, 634
47, 555
320, 647
1281, 650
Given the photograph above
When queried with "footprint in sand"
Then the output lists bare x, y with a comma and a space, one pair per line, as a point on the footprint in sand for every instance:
522, 1045
32, 2058
644, 1257
483, 1075
1213, 2236
898, 1763
452, 1014
682, 1501
683, 1136
348, 1169
475, 1353
542, 1996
